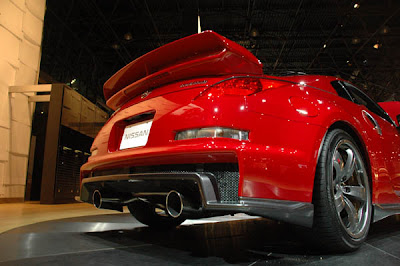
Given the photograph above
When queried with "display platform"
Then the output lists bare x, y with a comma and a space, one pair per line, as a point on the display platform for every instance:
118, 239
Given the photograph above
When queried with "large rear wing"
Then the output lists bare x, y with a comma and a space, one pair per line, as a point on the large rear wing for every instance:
203, 54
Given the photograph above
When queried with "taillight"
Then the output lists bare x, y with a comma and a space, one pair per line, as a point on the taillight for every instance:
242, 86
213, 132
238, 86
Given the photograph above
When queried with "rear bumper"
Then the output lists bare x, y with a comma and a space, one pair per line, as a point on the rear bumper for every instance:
200, 188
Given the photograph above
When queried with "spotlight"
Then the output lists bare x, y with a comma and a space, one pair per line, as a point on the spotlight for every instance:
355, 40
356, 6
377, 46
385, 30
115, 46
128, 36
254, 33
73, 81
324, 45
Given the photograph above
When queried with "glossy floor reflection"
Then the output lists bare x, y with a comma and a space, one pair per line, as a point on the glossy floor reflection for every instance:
120, 240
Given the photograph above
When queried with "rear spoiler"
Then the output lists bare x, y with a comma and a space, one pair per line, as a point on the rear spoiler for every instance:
203, 54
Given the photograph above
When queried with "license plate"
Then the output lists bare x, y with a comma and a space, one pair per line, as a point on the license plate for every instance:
136, 135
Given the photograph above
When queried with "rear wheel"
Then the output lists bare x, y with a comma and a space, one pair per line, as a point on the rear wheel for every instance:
147, 214
342, 197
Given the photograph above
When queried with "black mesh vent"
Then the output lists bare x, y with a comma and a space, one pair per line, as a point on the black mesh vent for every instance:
226, 175
227, 183
228, 186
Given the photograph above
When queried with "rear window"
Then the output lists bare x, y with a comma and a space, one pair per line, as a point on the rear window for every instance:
362, 99
341, 91
349, 92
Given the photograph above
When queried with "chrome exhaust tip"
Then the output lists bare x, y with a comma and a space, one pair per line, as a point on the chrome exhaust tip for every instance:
106, 203
96, 199
174, 204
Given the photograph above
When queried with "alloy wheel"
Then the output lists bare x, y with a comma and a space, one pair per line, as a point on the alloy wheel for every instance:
350, 189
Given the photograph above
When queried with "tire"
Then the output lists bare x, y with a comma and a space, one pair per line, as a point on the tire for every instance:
146, 214
342, 195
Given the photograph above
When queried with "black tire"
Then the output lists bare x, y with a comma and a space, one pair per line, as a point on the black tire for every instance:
342, 196
146, 214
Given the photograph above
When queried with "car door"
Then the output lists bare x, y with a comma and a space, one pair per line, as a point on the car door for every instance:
386, 128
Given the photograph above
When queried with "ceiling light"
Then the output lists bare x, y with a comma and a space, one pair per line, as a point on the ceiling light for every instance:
324, 46
254, 33
128, 36
356, 6
355, 40
115, 46
377, 46
385, 30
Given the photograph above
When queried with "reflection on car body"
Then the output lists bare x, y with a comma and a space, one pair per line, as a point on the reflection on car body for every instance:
225, 138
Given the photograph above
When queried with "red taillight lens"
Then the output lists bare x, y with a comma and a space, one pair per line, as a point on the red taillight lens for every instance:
238, 86
242, 86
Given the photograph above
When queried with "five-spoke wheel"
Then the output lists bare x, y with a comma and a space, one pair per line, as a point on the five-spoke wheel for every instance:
342, 197
350, 184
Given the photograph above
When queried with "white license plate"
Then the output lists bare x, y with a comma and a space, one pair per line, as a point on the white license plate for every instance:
136, 135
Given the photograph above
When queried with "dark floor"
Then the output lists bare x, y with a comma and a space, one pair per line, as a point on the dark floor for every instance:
121, 240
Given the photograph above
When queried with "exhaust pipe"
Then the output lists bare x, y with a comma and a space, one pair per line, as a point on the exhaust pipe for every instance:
174, 204
106, 203
96, 199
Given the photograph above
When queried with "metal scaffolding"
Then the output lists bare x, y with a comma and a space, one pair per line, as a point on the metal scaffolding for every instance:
90, 40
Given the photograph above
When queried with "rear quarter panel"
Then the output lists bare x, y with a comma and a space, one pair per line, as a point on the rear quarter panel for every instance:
331, 110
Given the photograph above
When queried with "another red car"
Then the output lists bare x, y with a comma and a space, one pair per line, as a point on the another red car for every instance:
199, 130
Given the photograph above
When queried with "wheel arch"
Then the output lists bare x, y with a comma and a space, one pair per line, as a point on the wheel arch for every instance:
325, 223
348, 128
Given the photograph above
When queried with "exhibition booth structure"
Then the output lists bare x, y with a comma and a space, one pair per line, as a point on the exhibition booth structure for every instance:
63, 127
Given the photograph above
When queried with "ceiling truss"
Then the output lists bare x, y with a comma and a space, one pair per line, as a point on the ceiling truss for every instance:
86, 40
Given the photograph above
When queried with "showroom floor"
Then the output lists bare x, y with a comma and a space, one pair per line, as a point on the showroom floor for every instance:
14, 215
43, 235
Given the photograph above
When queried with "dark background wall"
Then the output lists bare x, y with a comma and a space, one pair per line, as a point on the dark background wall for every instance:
89, 40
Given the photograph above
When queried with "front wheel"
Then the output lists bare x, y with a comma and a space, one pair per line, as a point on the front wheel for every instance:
342, 197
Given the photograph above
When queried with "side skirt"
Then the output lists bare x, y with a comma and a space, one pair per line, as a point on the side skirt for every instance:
299, 213
382, 211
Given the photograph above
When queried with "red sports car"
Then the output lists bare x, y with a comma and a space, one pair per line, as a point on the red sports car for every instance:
199, 130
